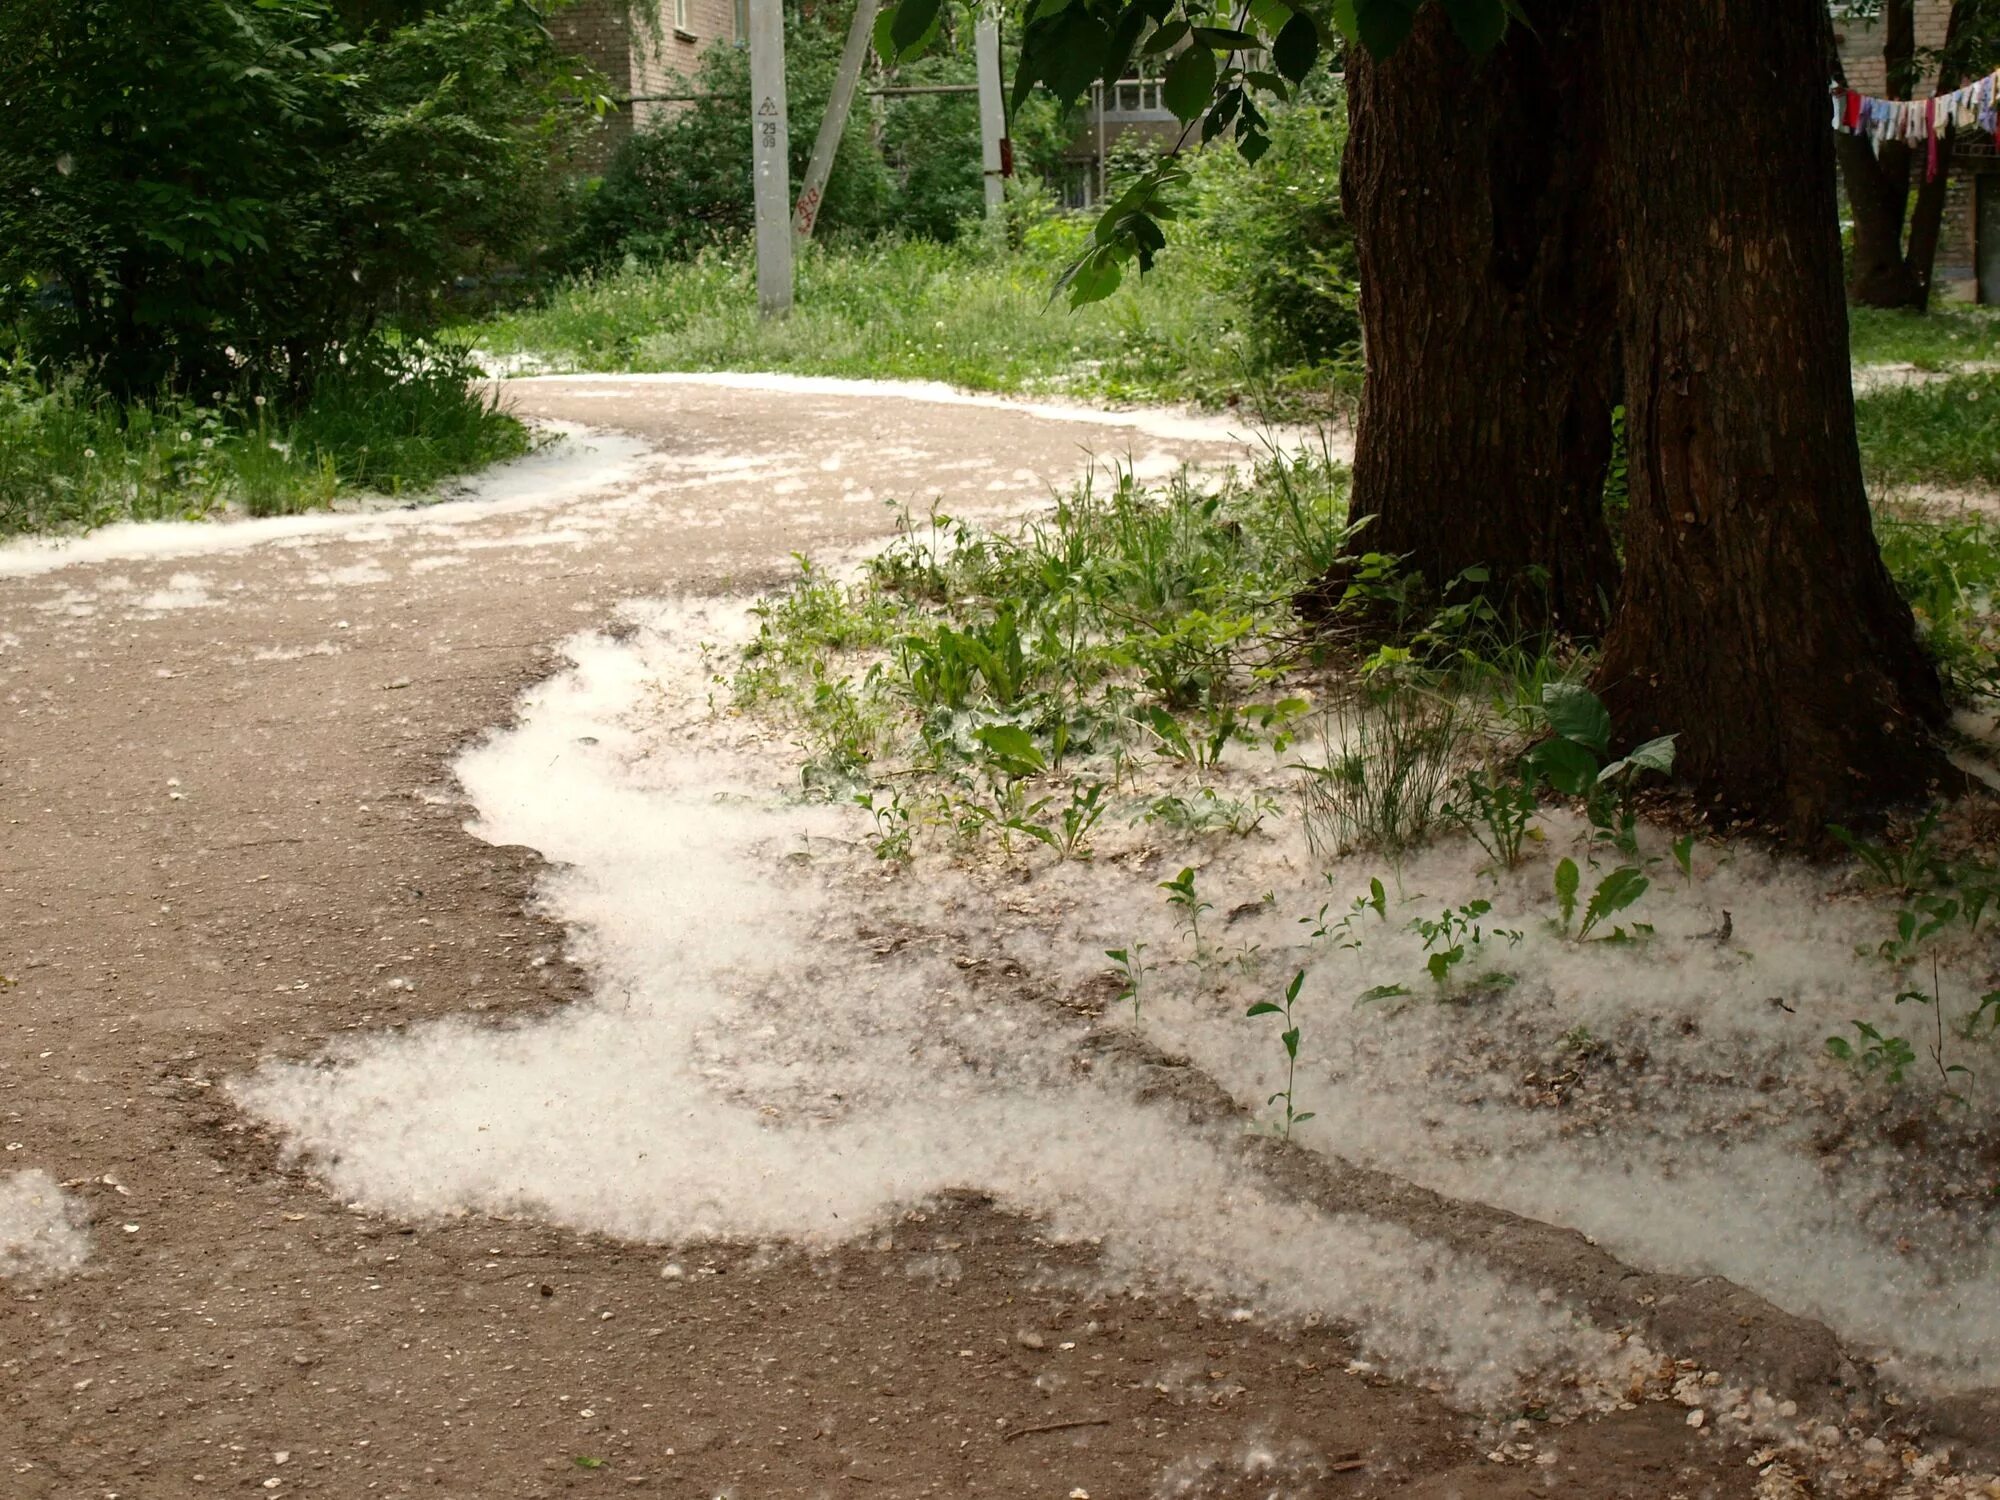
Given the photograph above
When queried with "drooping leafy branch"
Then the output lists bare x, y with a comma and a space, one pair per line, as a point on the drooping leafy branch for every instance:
1222, 64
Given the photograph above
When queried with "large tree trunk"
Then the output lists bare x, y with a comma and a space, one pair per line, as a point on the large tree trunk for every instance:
1487, 309
1757, 620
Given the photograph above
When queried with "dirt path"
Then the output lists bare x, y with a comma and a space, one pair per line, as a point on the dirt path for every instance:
230, 832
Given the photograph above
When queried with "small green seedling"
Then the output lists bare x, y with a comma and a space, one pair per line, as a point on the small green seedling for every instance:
895, 836
1451, 933
1376, 899
1614, 893
1290, 1037
1497, 811
1684, 857
1890, 1056
1905, 868
1132, 969
1181, 895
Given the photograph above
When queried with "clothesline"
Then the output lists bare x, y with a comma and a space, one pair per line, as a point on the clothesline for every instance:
1919, 122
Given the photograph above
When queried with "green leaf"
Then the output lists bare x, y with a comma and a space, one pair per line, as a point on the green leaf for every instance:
1190, 83
1381, 992
1164, 38
1074, 54
885, 43
1654, 755
1384, 25
1479, 23
1296, 48
1840, 1048
1568, 766
1684, 854
912, 21
1300, 1119
1012, 746
1345, 21
1131, 25
1566, 883
1264, 1008
1292, 989
1576, 713
1291, 1041
1614, 893
1269, 15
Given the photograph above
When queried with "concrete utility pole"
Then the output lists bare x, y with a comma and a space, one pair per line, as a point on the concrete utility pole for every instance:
770, 142
859, 36
992, 115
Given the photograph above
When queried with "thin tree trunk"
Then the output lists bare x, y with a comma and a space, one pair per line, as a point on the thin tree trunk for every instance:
1927, 217
1757, 620
1885, 272
1487, 310
1878, 196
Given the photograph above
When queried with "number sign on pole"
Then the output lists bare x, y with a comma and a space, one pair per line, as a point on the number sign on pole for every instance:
770, 141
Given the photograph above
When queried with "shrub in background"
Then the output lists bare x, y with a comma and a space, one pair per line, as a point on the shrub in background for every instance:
909, 165
207, 195
1280, 227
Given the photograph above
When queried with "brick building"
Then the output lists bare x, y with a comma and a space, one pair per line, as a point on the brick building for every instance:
1968, 262
641, 47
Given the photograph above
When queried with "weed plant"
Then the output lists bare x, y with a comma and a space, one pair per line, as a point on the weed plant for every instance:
1387, 758
1950, 572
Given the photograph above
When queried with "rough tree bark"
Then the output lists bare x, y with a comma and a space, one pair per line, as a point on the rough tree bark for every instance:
1887, 272
1757, 619
1487, 304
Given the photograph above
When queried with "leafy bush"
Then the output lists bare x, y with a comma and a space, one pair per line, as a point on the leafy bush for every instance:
208, 194
1290, 248
388, 418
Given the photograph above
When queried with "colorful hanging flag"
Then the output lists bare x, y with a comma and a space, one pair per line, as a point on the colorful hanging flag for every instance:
1919, 122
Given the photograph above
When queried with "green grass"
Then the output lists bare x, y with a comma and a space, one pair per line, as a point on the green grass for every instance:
966, 314
1937, 432
1941, 339
391, 419
1949, 570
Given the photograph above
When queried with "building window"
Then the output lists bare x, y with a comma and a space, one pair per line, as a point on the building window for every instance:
741, 10
681, 17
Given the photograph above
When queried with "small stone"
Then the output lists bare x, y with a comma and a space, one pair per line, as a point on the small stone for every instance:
1697, 1417
671, 1272
1029, 1339
282, 1456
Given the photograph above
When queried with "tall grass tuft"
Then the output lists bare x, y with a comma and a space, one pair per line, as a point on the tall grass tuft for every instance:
1388, 755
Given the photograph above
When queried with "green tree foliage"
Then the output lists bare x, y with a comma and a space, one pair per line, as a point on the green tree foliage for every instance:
1223, 66
205, 192
1280, 225
914, 169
